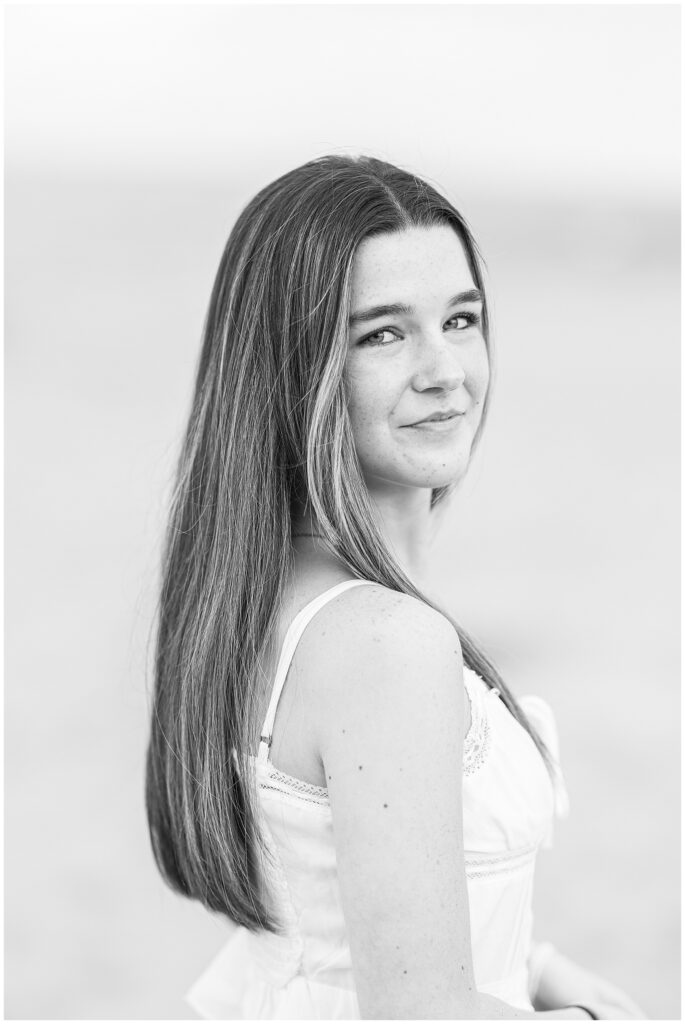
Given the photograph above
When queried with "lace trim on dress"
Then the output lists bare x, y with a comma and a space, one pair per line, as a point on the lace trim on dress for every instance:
280, 782
478, 738
507, 862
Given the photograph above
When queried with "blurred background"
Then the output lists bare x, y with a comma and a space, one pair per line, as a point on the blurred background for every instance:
133, 137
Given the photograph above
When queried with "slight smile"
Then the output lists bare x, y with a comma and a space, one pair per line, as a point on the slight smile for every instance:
441, 426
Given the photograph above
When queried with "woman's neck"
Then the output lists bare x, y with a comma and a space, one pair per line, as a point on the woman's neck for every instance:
405, 523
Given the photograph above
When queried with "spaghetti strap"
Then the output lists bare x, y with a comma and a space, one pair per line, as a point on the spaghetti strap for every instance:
292, 637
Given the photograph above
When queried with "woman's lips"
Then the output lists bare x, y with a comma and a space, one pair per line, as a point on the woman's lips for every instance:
437, 426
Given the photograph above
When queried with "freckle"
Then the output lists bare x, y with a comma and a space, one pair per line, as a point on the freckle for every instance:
343, 730
360, 767
329, 778
404, 972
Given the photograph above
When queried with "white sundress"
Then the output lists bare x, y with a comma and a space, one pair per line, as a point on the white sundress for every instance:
509, 804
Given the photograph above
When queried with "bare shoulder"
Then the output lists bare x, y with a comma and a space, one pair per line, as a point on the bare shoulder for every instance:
373, 653
373, 622
388, 607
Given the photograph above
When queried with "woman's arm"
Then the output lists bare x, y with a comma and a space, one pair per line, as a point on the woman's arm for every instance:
390, 717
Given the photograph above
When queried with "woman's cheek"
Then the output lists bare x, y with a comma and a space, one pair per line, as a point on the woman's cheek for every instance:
358, 406
364, 397
360, 411
479, 377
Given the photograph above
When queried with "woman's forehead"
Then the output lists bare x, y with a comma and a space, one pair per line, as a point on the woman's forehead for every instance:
392, 267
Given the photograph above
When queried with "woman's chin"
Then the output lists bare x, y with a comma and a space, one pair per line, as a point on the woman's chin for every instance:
450, 481
430, 481
444, 476
420, 477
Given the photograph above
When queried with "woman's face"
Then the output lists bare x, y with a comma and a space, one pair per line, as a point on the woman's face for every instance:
416, 348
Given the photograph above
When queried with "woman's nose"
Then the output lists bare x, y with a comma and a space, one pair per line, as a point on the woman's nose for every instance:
439, 365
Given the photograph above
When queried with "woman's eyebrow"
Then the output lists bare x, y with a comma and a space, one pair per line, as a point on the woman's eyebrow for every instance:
362, 316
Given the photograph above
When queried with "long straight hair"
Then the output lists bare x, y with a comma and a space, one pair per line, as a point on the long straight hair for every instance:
268, 426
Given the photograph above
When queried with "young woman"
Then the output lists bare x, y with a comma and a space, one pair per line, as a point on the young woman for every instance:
334, 765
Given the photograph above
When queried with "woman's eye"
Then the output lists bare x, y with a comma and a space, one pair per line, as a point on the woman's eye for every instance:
464, 320
377, 338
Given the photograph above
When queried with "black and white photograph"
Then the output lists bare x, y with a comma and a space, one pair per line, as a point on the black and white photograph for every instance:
342, 518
